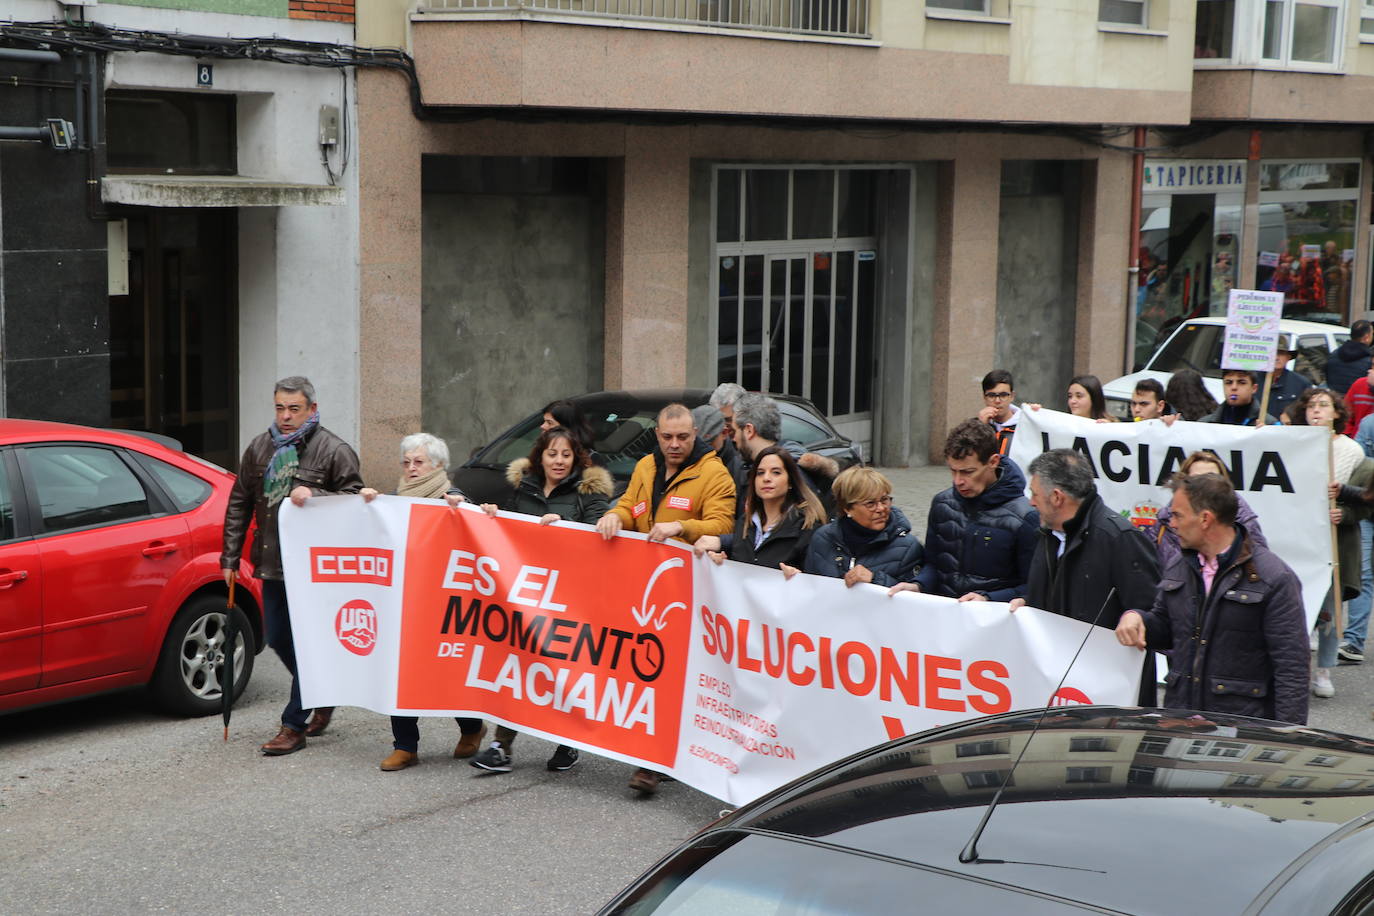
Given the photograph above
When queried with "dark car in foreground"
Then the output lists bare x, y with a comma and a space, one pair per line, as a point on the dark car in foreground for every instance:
623, 432
1110, 810
109, 570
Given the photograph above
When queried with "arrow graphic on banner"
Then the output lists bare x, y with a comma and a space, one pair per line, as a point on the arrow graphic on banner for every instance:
643, 617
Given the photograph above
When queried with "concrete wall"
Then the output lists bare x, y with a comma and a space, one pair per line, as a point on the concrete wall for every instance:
512, 299
1037, 262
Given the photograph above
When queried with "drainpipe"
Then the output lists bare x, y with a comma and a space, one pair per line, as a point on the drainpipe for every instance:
1133, 273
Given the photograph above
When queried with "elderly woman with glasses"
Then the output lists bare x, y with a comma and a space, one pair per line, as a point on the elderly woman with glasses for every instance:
871, 540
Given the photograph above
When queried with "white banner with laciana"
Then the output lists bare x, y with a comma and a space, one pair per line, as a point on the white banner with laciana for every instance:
1280, 471
731, 678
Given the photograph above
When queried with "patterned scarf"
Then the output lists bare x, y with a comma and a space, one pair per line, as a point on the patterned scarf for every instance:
281, 470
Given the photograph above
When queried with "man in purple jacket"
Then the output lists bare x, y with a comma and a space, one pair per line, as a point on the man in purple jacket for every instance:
1231, 612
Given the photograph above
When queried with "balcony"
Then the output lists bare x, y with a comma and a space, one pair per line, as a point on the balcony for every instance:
828, 18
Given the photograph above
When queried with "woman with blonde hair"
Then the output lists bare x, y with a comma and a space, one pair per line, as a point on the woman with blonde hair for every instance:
871, 541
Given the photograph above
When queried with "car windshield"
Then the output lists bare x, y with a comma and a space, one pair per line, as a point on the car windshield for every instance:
756, 875
1195, 346
618, 440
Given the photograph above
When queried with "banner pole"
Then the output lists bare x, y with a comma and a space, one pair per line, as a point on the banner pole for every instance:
1264, 399
1336, 602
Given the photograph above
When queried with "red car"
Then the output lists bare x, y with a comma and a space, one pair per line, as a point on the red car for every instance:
109, 570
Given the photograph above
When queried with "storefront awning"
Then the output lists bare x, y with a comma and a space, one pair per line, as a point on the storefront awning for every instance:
214, 191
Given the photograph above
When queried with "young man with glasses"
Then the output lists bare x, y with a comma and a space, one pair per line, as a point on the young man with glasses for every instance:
998, 409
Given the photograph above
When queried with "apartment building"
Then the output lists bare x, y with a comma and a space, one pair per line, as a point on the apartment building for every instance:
866, 202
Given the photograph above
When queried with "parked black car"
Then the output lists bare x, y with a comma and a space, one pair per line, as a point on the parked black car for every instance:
1110, 811
623, 432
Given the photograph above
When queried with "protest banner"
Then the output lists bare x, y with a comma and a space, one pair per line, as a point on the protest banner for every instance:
1279, 470
730, 678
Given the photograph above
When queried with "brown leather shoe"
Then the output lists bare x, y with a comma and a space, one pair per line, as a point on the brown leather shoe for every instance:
319, 721
646, 781
288, 741
399, 760
469, 744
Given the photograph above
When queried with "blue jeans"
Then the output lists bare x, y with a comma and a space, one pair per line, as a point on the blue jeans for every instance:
277, 617
1357, 609
405, 731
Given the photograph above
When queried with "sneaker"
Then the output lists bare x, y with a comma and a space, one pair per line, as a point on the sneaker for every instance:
494, 759
565, 758
1321, 684
1349, 655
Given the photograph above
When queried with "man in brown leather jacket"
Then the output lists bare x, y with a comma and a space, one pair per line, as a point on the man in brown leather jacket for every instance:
296, 458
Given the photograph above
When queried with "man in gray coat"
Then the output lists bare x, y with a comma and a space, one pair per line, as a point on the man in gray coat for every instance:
1230, 611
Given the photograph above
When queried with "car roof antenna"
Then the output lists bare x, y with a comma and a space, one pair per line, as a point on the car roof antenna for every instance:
970, 851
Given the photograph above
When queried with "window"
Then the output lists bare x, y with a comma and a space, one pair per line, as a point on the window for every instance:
1325, 760
1367, 21
986, 779
1303, 34
171, 132
980, 748
1295, 782
963, 6
81, 486
188, 490
1123, 12
1094, 743
1346, 784
1141, 776
1088, 774
1216, 749
1154, 745
1246, 779
6, 505
1272, 755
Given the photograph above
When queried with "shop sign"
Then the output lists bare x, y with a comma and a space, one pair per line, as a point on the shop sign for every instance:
1194, 175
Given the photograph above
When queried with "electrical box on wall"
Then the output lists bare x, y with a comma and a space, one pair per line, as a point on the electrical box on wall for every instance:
329, 125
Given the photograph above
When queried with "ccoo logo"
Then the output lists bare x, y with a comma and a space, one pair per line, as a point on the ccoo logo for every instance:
356, 627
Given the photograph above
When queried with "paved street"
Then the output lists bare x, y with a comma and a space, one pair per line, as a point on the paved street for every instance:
107, 807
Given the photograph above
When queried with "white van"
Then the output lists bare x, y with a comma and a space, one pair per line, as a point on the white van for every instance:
1196, 344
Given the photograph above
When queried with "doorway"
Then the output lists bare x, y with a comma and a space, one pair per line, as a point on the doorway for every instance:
173, 340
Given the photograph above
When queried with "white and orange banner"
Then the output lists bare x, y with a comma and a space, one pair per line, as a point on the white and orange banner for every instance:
728, 677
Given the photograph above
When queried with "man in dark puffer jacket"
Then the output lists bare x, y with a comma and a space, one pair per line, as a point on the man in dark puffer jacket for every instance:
1230, 611
981, 533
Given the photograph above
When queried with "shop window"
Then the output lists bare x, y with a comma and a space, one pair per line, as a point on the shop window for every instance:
171, 132
1307, 236
1123, 12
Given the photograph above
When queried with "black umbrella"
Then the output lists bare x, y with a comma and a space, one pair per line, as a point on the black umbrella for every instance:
226, 664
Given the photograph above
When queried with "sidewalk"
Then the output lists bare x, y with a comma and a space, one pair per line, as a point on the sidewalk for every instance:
912, 490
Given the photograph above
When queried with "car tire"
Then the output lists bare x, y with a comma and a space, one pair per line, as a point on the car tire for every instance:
186, 681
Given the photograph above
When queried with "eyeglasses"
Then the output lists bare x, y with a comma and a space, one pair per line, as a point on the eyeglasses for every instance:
872, 505
996, 395
414, 462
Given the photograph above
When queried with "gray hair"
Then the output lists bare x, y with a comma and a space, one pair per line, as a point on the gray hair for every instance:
435, 447
726, 393
296, 384
1064, 469
762, 412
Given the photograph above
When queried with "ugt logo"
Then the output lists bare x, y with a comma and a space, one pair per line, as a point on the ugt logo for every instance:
356, 627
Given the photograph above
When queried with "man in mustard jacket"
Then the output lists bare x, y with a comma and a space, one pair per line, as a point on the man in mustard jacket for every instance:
681, 490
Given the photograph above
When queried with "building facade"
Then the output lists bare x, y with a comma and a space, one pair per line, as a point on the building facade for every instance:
199, 239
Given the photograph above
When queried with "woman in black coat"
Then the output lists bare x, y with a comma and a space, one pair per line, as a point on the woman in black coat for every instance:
780, 515
557, 482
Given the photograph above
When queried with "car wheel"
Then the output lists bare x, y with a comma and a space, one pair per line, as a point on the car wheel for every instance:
187, 680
